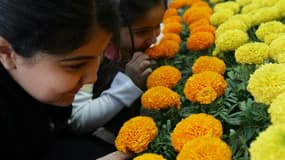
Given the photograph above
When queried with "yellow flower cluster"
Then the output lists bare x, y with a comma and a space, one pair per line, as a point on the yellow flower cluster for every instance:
160, 97
149, 156
269, 145
277, 50
205, 87
230, 25
205, 148
167, 76
231, 40
136, 134
209, 63
264, 14
252, 53
267, 82
245, 18
194, 126
268, 28
232, 5
219, 17
277, 109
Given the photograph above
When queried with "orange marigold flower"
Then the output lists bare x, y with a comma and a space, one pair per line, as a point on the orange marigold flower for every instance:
200, 4
155, 52
209, 63
149, 156
191, 2
199, 22
200, 41
197, 83
169, 48
136, 134
205, 28
173, 27
167, 76
205, 148
178, 4
160, 97
170, 12
195, 125
171, 36
190, 18
172, 19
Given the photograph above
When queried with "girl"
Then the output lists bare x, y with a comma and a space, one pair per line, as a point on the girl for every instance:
48, 50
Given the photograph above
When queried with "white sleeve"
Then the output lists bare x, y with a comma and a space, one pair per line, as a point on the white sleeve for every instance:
88, 114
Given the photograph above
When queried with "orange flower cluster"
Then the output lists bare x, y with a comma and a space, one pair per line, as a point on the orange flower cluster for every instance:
209, 63
202, 33
160, 97
194, 126
136, 134
205, 148
205, 87
182, 3
167, 76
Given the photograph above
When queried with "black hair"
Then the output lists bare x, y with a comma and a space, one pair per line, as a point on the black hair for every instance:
53, 26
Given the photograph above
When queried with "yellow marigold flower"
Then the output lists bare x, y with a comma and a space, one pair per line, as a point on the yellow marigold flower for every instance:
231, 40
243, 2
200, 41
227, 5
245, 18
267, 82
173, 27
248, 9
171, 36
269, 145
230, 25
252, 53
197, 82
277, 48
205, 148
160, 97
175, 19
281, 7
271, 37
170, 12
265, 14
136, 134
277, 109
269, 28
194, 16
217, 18
149, 156
194, 126
199, 22
167, 76
204, 28
265, 3
178, 4
209, 63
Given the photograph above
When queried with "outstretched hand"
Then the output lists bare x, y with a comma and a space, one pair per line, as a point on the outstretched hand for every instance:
139, 68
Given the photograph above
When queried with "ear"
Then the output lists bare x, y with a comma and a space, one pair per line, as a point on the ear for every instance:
7, 54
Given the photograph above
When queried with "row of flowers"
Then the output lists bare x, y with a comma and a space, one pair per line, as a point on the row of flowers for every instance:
218, 90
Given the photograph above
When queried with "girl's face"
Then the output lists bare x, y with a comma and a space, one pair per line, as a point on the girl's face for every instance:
145, 30
55, 79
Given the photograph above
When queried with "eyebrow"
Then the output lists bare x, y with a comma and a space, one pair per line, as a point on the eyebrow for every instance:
78, 58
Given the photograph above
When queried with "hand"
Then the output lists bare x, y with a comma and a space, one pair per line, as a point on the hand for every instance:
138, 69
117, 155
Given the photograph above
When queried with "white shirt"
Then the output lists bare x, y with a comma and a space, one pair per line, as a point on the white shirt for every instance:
88, 114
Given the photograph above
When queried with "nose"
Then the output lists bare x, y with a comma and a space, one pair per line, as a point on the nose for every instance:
90, 75
153, 37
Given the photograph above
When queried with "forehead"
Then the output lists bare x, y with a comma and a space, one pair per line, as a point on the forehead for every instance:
152, 18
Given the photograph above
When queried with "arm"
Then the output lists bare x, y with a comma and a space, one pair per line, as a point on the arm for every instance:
88, 114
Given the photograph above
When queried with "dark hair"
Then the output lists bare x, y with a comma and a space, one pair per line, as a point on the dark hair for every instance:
131, 10
53, 26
